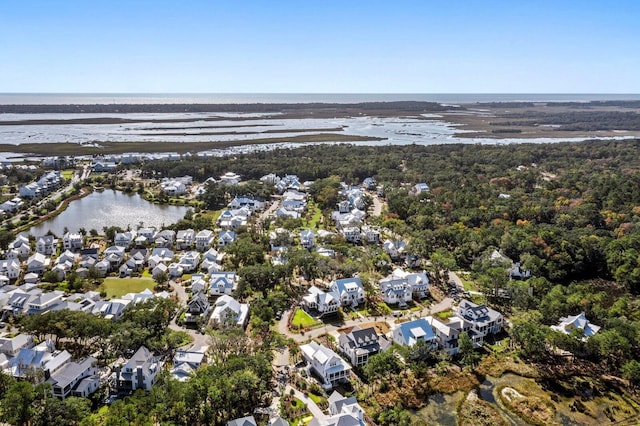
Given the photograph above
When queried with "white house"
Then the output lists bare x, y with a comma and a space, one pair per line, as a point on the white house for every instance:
326, 364
228, 310
576, 322
479, 320
37, 263
342, 412
230, 179
204, 240
187, 361
349, 290
10, 268
139, 372
68, 381
226, 237
307, 238
321, 301
46, 244
395, 290
71, 241
410, 332
185, 239
222, 283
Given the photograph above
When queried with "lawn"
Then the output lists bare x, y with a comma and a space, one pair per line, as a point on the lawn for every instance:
116, 287
303, 320
315, 214
68, 174
467, 282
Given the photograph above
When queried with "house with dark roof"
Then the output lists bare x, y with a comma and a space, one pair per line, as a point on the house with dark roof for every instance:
359, 344
479, 320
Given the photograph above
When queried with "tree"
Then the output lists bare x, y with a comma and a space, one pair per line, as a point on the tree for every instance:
442, 261
161, 279
631, 372
17, 403
529, 335
467, 352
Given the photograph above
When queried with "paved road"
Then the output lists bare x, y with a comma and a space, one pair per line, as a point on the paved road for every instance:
198, 338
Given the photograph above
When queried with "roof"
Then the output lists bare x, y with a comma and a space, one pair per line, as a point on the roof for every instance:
71, 371
412, 331
244, 421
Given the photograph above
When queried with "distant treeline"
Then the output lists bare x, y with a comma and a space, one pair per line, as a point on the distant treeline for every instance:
401, 106
621, 104
576, 120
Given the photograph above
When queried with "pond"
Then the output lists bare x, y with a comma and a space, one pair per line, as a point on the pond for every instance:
110, 208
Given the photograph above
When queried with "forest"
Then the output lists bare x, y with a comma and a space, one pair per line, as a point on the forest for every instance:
568, 212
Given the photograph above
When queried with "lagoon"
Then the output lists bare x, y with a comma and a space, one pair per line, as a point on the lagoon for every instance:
110, 208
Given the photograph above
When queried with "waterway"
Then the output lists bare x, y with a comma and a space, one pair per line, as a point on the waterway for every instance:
110, 208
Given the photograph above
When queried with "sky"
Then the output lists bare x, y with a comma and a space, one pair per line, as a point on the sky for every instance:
323, 46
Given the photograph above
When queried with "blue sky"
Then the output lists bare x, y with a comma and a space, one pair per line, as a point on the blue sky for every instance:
324, 46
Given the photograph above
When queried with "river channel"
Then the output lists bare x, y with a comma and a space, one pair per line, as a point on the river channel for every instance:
109, 208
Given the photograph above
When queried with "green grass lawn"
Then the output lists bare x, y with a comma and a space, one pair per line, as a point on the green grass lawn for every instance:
315, 218
116, 287
303, 320
68, 174
467, 282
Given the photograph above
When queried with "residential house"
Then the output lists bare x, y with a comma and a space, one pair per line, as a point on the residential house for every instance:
395, 249
307, 239
160, 255
10, 268
111, 309
186, 362
37, 263
46, 245
45, 301
173, 186
447, 334
370, 235
37, 363
410, 332
11, 347
12, 205
139, 372
226, 237
349, 290
479, 320
204, 240
189, 261
71, 241
197, 309
359, 344
159, 269
396, 290
165, 238
124, 239
227, 310
244, 421
342, 412
185, 239
230, 179
115, 256
322, 302
222, 283
253, 204
420, 188
326, 364
211, 261
75, 379
569, 325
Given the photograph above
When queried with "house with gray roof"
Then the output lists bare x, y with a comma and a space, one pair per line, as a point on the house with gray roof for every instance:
67, 380
349, 290
359, 344
329, 368
479, 320
579, 322
139, 372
